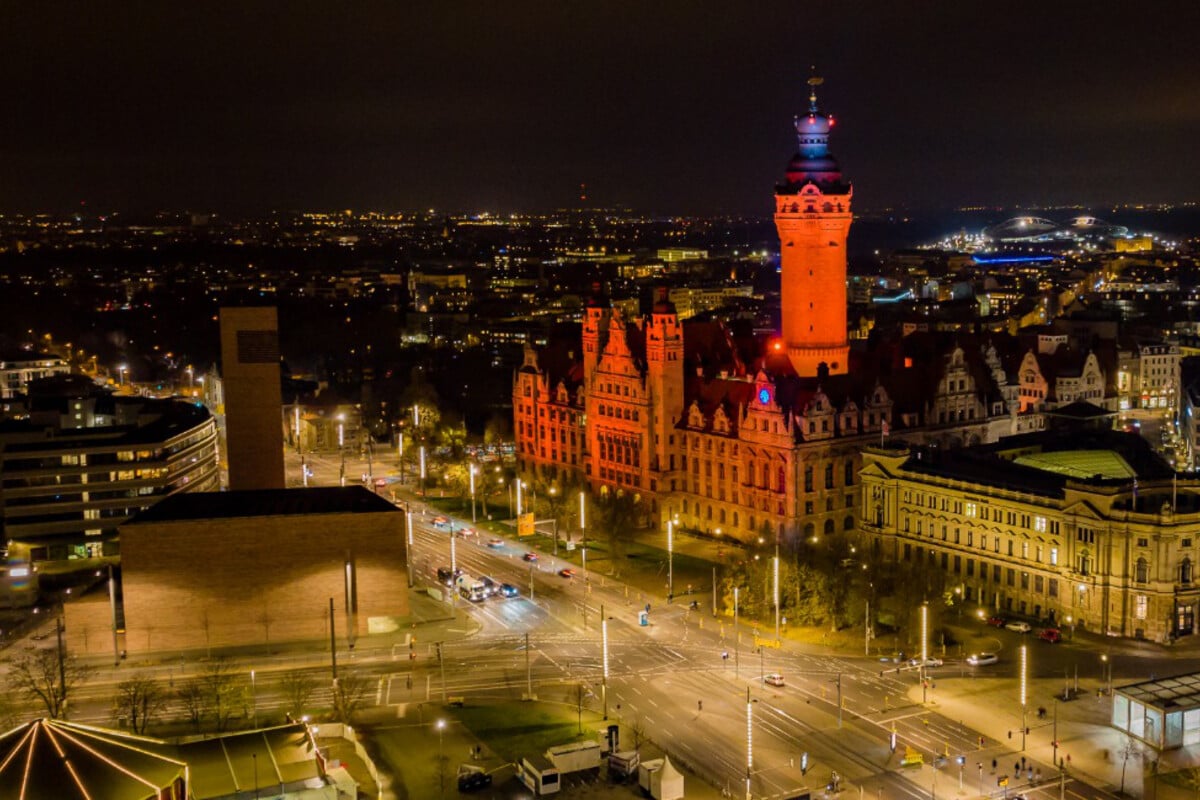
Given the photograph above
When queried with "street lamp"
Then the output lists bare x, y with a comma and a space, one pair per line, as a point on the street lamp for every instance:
121, 370
583, 535
604, 656
1024, 690
737, 634
749, 740
441, 729
471, 473
408, 553
341, 447
670, 560
519, 483
554, 521
924, 650
422, 465
776, 594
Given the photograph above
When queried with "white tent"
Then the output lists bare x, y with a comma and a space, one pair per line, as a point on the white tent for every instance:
660, 779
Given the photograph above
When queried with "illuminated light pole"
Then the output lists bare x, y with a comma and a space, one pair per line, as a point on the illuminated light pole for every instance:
519, 482
296, 425
1024, 690
422, 455
604, 656
121, 370
471, 473
554, 521
342, 447
254, 699
191, 379
924, 650
777, 591
670, 560
408, 553
583, 535
416, 416
749, 740
441, 729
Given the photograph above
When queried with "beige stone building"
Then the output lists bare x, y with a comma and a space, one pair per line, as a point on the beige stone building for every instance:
1083, 528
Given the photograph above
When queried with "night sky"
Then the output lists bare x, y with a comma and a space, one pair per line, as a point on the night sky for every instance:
658, 105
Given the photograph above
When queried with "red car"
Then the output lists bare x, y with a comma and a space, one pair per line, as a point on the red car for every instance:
1051, 635
530, 557
996, 622
567, 573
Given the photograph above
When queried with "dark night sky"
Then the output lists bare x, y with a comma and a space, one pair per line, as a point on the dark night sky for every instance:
662, 105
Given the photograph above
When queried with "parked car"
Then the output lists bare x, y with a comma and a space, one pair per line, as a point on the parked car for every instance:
567, 572
774, 679
1052, 635
929, 662
530, 557
997, 622
1019, 627
982, 659
508, 590
495, 544
471, 779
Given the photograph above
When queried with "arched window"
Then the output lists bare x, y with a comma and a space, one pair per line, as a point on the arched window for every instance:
1141, 571
829, 527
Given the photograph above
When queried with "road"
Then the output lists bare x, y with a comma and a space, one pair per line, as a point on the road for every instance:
686, 680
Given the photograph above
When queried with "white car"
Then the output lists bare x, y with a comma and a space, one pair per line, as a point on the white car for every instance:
982, 659
774, 679
1019, 627
929, 662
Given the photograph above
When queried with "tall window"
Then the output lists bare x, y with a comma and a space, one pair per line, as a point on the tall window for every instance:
1139, 607
1185, 571
829, 476
1141, 572
808, 477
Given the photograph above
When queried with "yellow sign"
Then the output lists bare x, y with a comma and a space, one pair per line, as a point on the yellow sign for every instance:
912, 757
766, 642
525, 525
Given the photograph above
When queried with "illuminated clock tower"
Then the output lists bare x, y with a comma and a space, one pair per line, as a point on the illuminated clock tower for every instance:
812, 215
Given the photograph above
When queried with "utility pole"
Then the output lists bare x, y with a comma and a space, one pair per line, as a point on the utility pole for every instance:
528, 671
714, 591
112, 608
737, 636
442, 667
776, 595
62, 665
839, 687
867, 630
332, 642
1054, 739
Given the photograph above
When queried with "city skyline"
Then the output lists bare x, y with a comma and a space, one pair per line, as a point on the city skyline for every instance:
658, 109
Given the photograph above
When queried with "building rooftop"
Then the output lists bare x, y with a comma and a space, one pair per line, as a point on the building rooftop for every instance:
265, 503
1169, 694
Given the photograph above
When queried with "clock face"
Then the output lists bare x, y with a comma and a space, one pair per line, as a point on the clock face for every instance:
764, 396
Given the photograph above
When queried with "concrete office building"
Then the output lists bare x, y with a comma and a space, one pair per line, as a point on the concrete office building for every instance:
253, 397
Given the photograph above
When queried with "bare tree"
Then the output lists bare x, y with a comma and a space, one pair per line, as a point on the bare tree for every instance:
224, 692
350, 694
139, 700
1129, 749
297, 688
48, 676
191, 696
637, 732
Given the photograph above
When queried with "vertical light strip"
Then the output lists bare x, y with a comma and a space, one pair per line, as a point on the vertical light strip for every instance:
1024, 675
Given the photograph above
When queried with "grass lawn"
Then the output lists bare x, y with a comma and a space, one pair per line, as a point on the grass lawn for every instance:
516, 729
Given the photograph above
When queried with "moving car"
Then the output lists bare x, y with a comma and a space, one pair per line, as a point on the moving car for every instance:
1052, 635
997, 622
495, 544
446, 576
490, 586
982, 659
774, 679
508, 590
929, 662
440, 522
567, 572
1019, 627
530, 556
465, 532
472, 778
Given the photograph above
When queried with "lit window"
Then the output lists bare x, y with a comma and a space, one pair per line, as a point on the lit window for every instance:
1054, 556
1140, 606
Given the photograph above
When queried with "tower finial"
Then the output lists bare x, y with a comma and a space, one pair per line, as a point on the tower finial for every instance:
813, 82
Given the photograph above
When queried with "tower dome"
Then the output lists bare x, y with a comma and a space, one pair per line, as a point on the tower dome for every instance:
812, 161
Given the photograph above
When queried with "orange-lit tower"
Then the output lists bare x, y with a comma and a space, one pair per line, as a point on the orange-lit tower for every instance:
812, 215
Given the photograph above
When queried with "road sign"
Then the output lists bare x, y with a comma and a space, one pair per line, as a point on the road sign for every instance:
525, 525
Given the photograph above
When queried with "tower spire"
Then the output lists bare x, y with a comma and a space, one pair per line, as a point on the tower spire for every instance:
814, 81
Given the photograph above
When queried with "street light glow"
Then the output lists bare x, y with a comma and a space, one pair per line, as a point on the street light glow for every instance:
924, 634
1024, 674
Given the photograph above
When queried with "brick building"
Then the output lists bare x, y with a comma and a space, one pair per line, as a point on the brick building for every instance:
254, 567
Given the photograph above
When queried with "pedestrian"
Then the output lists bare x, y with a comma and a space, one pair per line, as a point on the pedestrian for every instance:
1016, 770
1029, 775
1022, 762
993, 766
1068, 759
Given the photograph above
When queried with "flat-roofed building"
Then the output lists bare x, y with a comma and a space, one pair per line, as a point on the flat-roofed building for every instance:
229, 569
